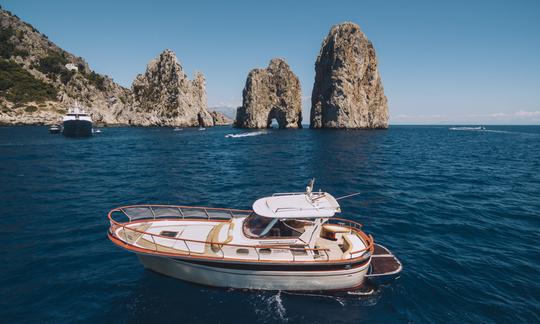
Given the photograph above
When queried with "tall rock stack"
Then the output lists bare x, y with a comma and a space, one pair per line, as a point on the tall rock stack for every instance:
164, 95
348, 91
271, 93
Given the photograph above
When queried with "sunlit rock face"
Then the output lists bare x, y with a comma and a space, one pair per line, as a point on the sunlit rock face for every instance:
348, 91
164, 95
220, 119
40, 80
271, 93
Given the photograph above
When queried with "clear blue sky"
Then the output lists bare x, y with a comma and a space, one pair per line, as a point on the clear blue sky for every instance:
441, 62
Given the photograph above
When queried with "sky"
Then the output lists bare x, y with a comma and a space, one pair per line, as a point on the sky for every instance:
441, 62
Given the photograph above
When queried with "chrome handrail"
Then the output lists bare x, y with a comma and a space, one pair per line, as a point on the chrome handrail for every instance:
368, 240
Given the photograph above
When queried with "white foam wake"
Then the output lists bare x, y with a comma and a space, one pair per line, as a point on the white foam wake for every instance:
483, 129
468, 128
247, 134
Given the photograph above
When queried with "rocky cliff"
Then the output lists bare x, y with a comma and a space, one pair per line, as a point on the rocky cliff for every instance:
271, 93
348, 91
164, 95
220, 119
39, 80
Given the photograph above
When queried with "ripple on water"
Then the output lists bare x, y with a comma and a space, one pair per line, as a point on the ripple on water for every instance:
459, 208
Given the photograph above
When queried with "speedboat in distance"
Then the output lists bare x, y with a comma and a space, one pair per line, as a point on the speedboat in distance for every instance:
289, 241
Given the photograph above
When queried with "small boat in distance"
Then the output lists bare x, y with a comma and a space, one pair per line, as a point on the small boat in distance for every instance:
177, 129
289, 241
77, 123
55, 129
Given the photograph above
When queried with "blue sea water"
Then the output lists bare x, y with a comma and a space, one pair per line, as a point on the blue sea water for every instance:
460, 208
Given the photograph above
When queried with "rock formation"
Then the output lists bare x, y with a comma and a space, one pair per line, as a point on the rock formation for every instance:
164, 96
348, 91
220, 119
40, 81
271, 93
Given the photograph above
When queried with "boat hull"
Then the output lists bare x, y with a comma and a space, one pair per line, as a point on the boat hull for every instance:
77, 128
230, 275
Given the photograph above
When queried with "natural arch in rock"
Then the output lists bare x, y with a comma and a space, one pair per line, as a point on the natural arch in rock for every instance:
271, 93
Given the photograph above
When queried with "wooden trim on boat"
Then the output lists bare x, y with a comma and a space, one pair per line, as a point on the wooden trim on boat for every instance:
289, 266
367, 240
187, 255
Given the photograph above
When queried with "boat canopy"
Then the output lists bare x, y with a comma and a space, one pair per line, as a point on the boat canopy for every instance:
297, 205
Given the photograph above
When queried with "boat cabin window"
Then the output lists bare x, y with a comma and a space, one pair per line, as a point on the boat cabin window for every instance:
264, 227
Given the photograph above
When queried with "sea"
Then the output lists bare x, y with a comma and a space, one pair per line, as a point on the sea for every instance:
459, 206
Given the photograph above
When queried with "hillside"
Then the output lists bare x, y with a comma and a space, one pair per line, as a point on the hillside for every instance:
39, 80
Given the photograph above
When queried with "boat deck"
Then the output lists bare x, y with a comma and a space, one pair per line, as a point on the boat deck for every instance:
211, 239
383, 264
201, 235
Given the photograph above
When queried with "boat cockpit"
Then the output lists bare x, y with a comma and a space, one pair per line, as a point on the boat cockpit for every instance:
259, 227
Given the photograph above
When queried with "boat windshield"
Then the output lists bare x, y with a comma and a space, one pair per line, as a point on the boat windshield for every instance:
264, 227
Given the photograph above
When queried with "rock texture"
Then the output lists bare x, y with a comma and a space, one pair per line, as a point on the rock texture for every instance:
220, 119
23, 46
271, 93
39, 81
164, 95
348, 91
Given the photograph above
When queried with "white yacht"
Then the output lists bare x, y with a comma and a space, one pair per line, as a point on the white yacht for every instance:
77, 123
289, 241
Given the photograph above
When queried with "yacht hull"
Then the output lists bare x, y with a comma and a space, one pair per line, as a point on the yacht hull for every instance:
231, 275
77, 128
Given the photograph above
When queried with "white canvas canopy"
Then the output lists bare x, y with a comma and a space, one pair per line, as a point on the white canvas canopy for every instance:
297, 205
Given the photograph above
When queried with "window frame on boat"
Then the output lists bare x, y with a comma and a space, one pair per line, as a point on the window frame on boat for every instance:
271, 225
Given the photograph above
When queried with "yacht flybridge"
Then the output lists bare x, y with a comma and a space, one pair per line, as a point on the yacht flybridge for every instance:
289, 241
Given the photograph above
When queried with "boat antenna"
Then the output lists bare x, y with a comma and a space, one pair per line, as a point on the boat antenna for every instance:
347, 196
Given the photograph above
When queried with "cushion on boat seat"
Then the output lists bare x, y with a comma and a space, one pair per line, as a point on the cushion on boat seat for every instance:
220, 234
354, 243
330, 231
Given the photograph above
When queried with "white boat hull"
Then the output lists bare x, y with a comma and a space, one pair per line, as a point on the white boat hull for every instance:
256, 279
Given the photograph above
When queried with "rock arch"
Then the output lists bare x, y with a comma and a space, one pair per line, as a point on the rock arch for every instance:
271, 93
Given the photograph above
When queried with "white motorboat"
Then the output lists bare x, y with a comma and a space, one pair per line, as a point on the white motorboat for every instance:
77, 123
55, 129
289, 241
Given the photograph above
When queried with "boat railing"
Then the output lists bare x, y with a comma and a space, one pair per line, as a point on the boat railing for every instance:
367, 240
138, 213
277, 194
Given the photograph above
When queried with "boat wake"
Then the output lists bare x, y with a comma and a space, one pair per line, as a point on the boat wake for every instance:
479, 128
483, 129
273, 307
247, 134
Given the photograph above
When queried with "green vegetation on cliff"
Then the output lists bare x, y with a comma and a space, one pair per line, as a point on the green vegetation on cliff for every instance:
97, 80
6, 47
18, 86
